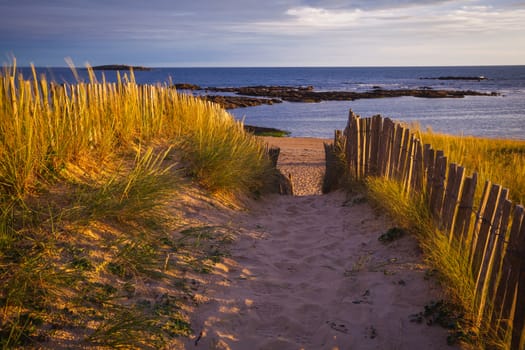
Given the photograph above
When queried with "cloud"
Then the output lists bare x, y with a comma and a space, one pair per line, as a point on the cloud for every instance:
371, 4
421, 18
260, 32
320, 17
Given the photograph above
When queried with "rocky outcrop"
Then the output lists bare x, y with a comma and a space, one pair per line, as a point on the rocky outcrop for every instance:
476, 78
249, 96
307, 94
230, 102
186, 86
119, 67
262, 89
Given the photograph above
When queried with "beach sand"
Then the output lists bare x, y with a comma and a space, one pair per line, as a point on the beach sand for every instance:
304, 160
308, 272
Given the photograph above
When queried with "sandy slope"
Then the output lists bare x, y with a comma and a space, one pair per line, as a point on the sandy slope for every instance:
308, 272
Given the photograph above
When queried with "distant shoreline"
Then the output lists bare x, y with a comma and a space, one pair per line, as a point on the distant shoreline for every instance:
500, 116
120, 67
303, 67
249, 96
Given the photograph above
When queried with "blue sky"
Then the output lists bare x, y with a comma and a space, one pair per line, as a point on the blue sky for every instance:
184, 33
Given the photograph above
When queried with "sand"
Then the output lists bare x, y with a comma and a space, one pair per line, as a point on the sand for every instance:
308, 272
303, 159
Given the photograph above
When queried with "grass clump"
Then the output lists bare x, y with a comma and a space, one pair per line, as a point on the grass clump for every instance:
493, 159
447, 315
392, 234
55, 255
45, 126
239, 164
263, 131
90, 177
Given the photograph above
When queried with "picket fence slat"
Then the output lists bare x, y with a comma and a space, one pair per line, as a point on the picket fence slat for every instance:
453, 202
438, 186
396, 146
403, 154
390, 147
420, 168
447, 199
429, 169
499, 251
518, 322
486, 219
464, 216
506, 290
375, 144
487, 262
407, 172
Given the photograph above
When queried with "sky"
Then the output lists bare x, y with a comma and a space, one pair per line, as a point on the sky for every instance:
260, 33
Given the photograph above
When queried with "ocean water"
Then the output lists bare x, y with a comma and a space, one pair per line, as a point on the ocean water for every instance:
499, 117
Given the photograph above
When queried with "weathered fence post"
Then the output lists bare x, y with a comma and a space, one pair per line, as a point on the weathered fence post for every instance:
396, 148
352, 144
487, 262
438, 185
454, 184
430, 162
465, 209
358, 149
486, 218
389, 132
406, 175
518, 323
502, 234
375, 146
419, 168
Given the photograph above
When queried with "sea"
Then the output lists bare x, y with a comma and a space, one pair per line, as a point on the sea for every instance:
501, 116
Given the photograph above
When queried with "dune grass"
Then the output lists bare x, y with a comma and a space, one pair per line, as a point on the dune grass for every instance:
44, 126
498, 160
90, 175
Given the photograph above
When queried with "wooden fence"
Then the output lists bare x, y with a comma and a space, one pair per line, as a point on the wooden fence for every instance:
492, 233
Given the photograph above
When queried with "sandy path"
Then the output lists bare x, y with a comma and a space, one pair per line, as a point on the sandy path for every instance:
308, 272
303, 159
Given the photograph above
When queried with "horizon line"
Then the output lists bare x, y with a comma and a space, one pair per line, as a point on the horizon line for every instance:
283, 66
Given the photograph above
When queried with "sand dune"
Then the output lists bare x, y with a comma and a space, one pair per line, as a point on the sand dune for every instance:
308, 272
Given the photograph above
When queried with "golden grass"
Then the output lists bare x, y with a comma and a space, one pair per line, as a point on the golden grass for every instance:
411, 212
44, 126
497, 160
90, 175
